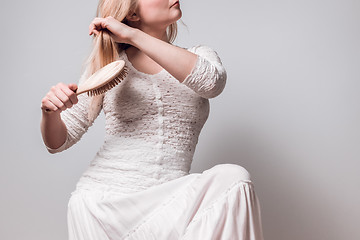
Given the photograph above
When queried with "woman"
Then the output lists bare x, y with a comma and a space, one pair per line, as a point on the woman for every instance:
138, 185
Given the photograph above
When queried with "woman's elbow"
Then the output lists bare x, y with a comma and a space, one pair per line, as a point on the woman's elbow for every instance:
61, 148
54, 150
216, 85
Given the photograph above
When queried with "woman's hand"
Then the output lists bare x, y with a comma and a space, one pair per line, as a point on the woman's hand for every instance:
120, 32
59, 98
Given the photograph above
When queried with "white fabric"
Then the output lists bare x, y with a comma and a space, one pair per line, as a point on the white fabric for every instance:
138, 185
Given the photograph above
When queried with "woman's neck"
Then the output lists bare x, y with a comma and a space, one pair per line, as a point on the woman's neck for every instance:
158, 32
162, 35
139, 59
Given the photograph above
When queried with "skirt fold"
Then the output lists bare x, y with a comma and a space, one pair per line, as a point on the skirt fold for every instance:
233, 216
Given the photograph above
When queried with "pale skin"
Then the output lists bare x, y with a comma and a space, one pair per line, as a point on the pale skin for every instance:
150, 52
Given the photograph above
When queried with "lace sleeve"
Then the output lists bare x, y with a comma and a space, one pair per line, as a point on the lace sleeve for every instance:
77, 121
208, 77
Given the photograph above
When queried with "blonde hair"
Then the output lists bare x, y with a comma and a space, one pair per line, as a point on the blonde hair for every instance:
105, 50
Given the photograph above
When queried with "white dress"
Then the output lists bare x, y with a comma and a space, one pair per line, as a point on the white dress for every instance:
138, 185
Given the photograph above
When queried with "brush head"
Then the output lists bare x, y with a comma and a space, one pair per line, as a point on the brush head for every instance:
104, 79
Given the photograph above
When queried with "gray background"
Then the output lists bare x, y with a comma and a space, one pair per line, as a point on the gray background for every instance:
289, 113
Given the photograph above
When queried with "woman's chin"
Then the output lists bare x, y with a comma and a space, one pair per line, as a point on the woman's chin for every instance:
178, 16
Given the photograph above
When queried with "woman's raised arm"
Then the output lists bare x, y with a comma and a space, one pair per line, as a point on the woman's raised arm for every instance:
177, 61
200, 68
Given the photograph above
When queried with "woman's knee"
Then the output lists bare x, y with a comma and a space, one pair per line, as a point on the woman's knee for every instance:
231, 171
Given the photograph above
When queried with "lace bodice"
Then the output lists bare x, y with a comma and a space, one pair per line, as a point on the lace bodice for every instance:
152, 125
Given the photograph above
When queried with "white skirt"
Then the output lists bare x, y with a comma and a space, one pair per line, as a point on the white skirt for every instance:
218, 204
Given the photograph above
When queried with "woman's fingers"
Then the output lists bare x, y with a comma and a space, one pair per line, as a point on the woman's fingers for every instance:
66, 95
47, 105
70, 91
63, 98
60, 97
97, 24
55, 100
73, 86
92, 29
119, 31
70, 95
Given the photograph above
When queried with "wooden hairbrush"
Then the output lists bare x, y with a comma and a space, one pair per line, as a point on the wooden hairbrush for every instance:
103, 79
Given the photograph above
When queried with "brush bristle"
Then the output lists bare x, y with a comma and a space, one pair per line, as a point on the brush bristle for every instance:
110, 84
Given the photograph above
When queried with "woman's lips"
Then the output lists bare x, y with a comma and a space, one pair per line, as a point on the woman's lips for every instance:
175, 4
